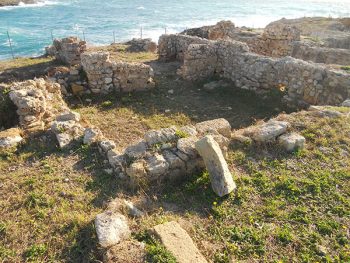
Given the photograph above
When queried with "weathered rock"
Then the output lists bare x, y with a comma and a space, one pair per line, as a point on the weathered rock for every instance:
92, 135
66, 131
176, 240
68, 50
10, 138
291, 141
106, 146
111, 228
268, 132
346, 103
137, 150
132, 209
141, 45
69, 116
77, 89
160, 136
220, 175
221, 126
187, 146
156, 166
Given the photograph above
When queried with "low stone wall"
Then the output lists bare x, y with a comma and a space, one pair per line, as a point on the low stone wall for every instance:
309, 52
305, 83
67, 50
105, 75
166, 154
38, 103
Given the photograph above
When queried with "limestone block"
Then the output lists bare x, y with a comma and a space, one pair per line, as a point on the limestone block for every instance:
176, 240
221, 126
156, 166
92, 135
220, 175
291, 141
269, 131
111, 228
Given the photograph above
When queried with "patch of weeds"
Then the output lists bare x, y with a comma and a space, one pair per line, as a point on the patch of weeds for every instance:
181, 134
36, 200
284, 235
288, 188
2, 229
250, 240
106, 104
300, 214
200, 182
35, 252
157, 253
346, 68
327, 227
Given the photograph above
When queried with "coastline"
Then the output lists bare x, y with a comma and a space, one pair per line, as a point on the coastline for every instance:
16, 2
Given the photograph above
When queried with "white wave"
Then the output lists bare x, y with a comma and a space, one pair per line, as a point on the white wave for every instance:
141, 8
23, 5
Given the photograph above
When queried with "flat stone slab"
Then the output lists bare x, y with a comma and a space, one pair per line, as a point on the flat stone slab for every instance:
178, 242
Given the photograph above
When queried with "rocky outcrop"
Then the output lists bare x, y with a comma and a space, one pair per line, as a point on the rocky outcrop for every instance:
105, 75
220, 175
38, 103
176, 240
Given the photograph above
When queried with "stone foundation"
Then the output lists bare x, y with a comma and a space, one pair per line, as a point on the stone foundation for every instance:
165, 155
305, 83
105, 75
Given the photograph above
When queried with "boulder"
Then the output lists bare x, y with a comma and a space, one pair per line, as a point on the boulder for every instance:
111, 228
176, 240
220, 175
291, 141
10, 138
268, 132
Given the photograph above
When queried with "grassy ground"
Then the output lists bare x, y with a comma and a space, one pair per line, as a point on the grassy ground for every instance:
288, 207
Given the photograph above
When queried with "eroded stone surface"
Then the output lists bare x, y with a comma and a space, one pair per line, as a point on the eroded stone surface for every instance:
10, 138
178, 242
111, 228
268, 132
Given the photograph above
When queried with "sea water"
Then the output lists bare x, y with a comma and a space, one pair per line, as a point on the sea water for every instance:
32, 27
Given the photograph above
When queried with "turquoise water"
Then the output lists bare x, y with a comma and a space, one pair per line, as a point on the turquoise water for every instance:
30, 26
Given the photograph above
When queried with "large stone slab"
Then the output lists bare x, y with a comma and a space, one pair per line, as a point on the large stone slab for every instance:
220, 175
178, 242
111, 228
269, 131
220, 126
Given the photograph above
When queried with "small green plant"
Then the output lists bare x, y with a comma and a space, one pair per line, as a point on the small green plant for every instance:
346, 68
158, 253
284, 235
181, 134
106, 104
35, 252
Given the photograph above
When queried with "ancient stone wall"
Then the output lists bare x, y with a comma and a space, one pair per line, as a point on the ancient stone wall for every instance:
309, 52
38, 103
305, 83
166, 154
67, 50
105, 75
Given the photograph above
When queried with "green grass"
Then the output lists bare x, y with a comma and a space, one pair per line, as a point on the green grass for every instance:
346, 68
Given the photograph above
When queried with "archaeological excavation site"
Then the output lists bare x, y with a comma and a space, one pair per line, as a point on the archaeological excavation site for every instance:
217, 144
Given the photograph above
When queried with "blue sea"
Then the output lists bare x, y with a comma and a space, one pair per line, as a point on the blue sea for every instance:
32, 27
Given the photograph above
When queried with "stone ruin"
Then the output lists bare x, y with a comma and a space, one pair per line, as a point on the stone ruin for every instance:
105, 75
67, 50
305, 82
141, 45
38, 102
165, 155
286, 38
